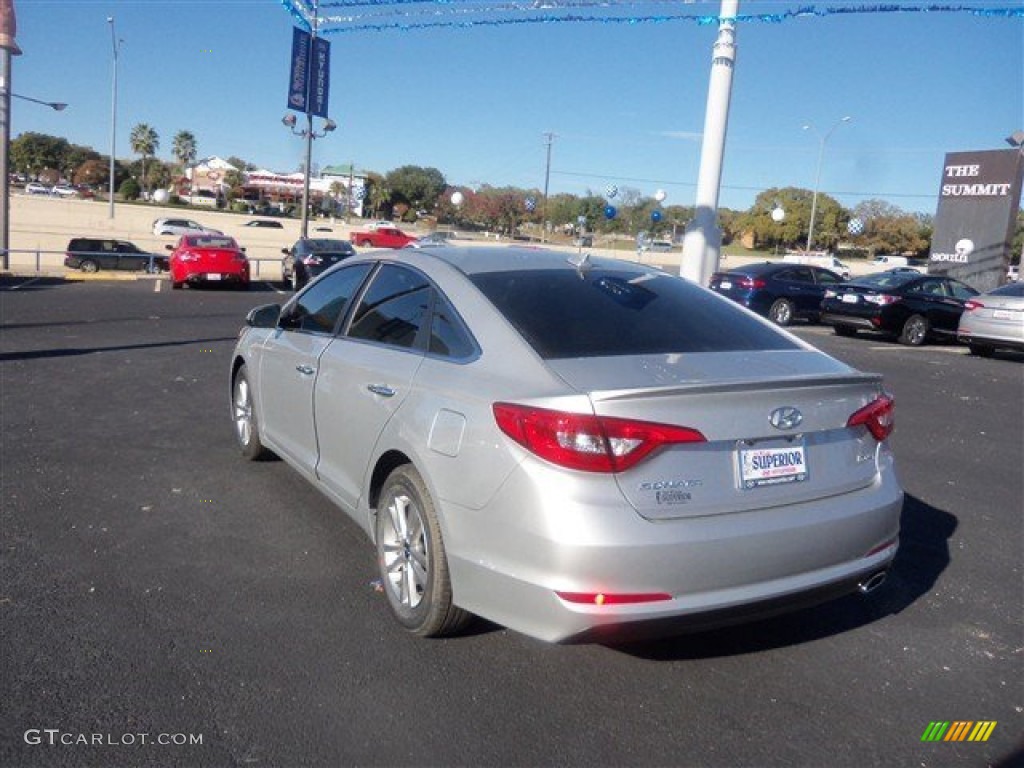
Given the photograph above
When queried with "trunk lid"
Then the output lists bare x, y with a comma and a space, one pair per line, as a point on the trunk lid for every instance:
755, 456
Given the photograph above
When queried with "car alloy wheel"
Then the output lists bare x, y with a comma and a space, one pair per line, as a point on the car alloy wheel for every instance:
915, 331
781, 312
89, 266
247, 431
410, 552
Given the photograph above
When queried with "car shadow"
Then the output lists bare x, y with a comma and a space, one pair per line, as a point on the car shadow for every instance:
922, 557
35, 354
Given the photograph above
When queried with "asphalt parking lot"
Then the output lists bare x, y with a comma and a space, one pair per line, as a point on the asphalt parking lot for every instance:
155, 583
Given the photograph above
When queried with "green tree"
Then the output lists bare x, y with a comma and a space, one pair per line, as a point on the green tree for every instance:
145, 142
185, 152
889, 229
129, 189
415, 186
32, 153
92, 173
378, 193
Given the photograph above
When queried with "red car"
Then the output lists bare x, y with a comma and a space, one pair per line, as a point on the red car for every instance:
200, 258
382, 237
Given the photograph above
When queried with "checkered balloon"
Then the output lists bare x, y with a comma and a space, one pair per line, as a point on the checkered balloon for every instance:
611, 191
855, 226
531, 204
359, 192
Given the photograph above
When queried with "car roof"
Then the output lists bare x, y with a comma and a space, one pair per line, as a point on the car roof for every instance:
475, 260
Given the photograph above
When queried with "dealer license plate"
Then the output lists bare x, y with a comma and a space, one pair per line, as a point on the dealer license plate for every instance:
1004, 314
725, 285
772, 466
213, 276
850, 298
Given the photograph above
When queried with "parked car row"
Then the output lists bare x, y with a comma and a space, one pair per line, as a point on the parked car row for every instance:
91, 254
57, 190
901, 302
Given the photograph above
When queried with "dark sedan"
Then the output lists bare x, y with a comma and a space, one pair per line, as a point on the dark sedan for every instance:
311, 256
779, 291
905, 305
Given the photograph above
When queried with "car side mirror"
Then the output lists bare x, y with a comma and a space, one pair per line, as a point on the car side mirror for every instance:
286, 251
169, 247
265, 316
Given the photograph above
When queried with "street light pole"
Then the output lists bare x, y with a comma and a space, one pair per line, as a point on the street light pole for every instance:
817, 175
547, 177
8, 49
56, 106
308, 134
113, 112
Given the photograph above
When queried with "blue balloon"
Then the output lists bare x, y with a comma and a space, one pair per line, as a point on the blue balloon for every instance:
609, 211
655, 215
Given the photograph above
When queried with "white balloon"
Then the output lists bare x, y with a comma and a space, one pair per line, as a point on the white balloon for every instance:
457, 198
660, 195
778, 214
161, 196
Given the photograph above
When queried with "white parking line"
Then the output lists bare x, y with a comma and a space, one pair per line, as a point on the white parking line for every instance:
27, 282
156, 285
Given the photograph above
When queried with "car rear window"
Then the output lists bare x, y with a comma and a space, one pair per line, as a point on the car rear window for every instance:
562, 314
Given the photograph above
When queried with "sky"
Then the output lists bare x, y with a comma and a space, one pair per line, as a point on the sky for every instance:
626, 102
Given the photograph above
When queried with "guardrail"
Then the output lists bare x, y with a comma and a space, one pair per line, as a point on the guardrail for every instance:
47, 262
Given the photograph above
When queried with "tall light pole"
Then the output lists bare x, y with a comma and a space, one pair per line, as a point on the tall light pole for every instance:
56, 106
308, 134
113, 111
547, 177
817, 175
702, 243
8, 48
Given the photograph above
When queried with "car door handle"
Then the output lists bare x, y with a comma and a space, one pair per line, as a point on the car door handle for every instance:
305, 370
381, 389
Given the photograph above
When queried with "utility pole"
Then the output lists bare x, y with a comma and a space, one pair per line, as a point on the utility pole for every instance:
8, 49
702, 244
547, 178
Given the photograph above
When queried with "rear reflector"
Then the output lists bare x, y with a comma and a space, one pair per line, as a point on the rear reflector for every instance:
879, 416
587, 442
602, 598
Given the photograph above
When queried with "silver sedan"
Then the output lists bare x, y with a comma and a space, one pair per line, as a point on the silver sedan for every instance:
994, 320
575, 448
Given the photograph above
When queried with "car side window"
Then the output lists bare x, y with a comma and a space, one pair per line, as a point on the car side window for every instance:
318, 309
448, 336
929, 288
800, 275
961, 291
393, 308
827, 278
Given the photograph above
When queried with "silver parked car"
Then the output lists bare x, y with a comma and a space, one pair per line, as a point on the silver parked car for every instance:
994, 320
178, 227
571, 447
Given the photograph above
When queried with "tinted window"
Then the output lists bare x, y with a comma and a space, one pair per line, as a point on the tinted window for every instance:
318, 309
393, 308
884, 280
933, 287
961, 291
448, 336
796, 275
606, 312
825, 277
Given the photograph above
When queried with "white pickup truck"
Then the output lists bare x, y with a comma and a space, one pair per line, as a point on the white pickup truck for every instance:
819, 260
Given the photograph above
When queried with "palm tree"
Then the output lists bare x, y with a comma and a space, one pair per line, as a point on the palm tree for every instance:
145, 142
185, 152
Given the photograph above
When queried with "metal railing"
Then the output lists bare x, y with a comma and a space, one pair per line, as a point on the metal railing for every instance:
41, 261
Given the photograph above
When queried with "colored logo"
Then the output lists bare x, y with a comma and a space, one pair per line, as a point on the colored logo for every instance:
959, 730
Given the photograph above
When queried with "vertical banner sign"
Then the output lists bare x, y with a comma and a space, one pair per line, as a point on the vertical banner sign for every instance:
310, 78
977, 213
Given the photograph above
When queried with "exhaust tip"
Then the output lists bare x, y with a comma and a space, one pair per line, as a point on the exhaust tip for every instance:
872, 582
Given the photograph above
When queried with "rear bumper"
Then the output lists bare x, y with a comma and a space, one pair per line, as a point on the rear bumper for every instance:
509, 559
853, 321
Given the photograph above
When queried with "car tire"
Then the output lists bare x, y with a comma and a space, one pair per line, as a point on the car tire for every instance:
296, 283
243, 414
981, 350
411, 555
915, 331
367, 243
781, 312
89, 266
844, 330
175, 286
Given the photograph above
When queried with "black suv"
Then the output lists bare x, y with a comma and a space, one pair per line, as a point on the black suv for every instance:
308, 258
91, 254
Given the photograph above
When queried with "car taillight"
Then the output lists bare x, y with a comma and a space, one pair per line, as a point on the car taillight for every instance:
586, 442
880, 298
879, 416
751, 283
972, 305
830, 294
